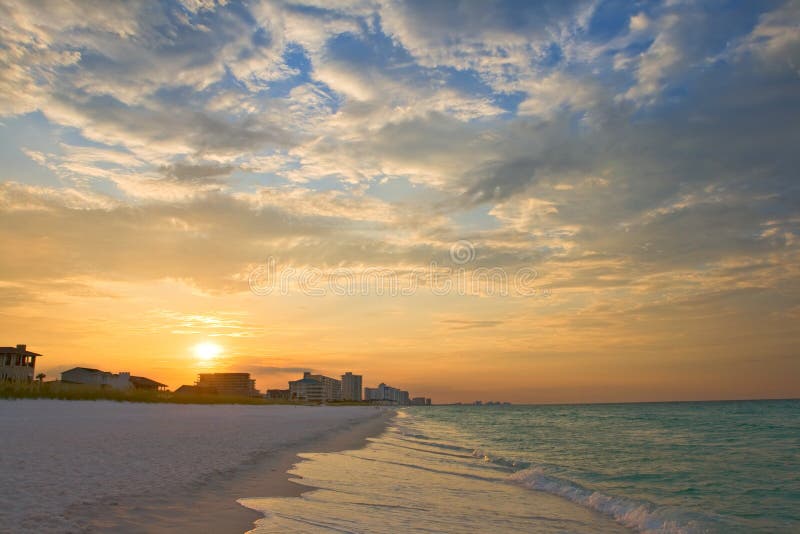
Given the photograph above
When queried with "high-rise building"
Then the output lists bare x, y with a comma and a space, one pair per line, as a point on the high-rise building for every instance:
17, 364
351, 387
236, 384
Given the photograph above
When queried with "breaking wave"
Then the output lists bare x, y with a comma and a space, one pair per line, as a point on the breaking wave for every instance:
642, 516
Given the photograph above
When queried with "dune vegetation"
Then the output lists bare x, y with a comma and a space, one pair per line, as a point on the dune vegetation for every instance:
55, 390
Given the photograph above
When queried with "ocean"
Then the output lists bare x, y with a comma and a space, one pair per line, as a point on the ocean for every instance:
653, 467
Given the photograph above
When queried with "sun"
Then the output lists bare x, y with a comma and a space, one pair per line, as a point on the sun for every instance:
207, 352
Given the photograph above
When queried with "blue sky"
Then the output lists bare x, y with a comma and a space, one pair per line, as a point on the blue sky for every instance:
641, 150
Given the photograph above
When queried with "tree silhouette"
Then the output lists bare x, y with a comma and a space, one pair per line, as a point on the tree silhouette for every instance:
40, 377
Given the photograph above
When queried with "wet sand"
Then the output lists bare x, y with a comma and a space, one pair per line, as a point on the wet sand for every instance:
214, 507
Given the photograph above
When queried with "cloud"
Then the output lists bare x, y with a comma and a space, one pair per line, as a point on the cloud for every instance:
775, 40
268, 369
463, 324
498, 41
221, 324
548, 95
197, 173
190, 141
639, 22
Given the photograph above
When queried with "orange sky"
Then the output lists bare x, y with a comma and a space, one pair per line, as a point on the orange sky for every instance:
453, 348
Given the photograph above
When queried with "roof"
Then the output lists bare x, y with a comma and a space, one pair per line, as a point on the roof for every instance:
142, 381
306, 381
88, 370
16, 350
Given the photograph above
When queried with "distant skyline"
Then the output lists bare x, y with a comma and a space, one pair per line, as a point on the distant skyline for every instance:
636, 161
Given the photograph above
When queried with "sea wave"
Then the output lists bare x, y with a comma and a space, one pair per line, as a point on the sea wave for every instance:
440, 445
640, 515
499, 460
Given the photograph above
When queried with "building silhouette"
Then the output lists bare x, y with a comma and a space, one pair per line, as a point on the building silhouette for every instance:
316, 388
387, 394
277, 394
351, 387
17, 364
88, 376
233, 384
306, 389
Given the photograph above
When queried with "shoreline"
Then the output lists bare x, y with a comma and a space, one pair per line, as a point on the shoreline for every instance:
215, 507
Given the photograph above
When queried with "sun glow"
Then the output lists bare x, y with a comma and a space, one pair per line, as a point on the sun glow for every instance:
207, 352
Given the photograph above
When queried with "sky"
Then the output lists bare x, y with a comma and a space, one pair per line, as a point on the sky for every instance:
565, 201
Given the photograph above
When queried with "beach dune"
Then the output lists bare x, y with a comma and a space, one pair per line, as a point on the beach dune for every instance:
128, 467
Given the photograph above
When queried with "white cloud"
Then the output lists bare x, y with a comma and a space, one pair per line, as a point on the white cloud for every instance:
546, 96
655, 65
498, 43
639, 22
775, 40
198, 112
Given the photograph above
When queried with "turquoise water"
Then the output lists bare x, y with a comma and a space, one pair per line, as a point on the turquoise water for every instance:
706, 466
672, 467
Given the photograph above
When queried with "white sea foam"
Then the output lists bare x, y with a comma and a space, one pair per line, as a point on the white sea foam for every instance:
641, 516
401, 482
60, 458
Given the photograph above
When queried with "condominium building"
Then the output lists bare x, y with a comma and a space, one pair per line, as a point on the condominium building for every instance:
351, 387
234, 384
331, 388
326, 388
384, 393
306, 389
17, 364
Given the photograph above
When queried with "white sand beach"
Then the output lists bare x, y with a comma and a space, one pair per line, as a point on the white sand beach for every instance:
99, 466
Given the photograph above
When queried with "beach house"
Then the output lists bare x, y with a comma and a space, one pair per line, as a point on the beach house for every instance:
88, 376
147, 384
17, 364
